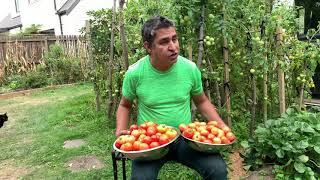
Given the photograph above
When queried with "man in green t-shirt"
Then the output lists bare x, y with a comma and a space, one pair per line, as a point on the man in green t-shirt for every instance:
163, 84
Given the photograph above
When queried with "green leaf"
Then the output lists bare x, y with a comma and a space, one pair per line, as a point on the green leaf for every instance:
303, 158
280, 153
317, 149
247, 167
299, 167
244, 144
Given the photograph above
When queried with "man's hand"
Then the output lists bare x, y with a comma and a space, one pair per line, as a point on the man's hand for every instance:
122, 132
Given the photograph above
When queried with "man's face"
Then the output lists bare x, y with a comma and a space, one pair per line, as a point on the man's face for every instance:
165, 47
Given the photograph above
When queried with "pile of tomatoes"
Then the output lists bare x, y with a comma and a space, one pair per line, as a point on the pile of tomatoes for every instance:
211, 132
148, 135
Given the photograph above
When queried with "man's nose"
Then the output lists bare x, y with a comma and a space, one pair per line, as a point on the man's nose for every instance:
172, 45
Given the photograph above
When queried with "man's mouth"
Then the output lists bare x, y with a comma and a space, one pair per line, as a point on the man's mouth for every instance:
174, 55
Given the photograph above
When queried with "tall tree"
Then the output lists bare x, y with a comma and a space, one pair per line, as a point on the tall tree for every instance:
123, 36
226, 66
111, 59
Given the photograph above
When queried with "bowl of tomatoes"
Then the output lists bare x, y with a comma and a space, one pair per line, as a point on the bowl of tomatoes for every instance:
210, 137
146, 142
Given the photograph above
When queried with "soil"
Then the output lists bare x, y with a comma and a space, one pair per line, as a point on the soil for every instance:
73, 143
10, 171
84, 163
236, 167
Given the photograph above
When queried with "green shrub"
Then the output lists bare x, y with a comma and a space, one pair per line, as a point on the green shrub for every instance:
36, 79
291, 142
62, 69
15, 82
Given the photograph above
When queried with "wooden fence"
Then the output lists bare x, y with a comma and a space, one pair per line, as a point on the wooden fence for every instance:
21, 54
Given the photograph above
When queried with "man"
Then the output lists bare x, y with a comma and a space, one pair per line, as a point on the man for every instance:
163, 83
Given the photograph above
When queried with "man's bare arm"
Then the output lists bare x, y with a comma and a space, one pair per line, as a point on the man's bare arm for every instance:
123, 113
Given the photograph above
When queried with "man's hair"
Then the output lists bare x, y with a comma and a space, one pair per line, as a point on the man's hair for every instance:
149, 28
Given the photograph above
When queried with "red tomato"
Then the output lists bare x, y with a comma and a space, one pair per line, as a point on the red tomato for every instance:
226, 129
163, 139
142, 131
135, 133
131, 139
196, 137
151, 130
204, 132
154, 144
209, 127
230, 136
162, 128
147, 140
126, 147
214, 131
133, 127
182, 127
150, 124
209, 141
216, 140
171, 133
220, 133
155, 138
144, 126
141, 137
143, 146
120, 140
188, 133
225, 140
210, 136
136, 145
215, 123
192, 125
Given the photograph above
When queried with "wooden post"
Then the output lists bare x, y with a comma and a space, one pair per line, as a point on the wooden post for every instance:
46, 46
190, 51
92, 67
226, 68
111, 58
281, 81
123, 36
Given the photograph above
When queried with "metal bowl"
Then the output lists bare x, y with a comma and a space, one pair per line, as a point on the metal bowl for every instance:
149, 154
206, 147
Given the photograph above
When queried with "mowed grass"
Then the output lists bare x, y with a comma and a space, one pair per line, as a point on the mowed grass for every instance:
31, 142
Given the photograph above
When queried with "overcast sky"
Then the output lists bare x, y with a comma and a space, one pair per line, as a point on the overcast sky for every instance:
4, 8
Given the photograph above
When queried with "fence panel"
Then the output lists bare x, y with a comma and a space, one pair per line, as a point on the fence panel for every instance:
22, 54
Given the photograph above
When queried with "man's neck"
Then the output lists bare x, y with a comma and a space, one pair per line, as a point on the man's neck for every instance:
158, 66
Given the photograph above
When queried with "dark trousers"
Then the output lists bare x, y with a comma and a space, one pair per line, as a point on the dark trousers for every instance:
209, 166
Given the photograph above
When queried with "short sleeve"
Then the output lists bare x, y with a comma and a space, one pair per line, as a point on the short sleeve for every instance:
129, 86
197, 82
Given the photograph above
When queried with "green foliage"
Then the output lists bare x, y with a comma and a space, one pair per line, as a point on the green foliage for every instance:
15, 81
60, 68
291, 142
32, 29
36, 78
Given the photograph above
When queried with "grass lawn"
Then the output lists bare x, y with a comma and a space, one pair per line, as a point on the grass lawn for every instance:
31, 142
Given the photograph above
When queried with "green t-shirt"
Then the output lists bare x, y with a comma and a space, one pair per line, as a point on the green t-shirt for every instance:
163, 97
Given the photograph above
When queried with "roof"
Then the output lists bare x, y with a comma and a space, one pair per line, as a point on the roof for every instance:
67, 7
10, 23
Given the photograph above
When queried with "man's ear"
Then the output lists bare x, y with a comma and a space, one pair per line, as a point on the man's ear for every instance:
147, 46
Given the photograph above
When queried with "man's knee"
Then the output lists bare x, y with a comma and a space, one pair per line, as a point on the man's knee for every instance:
216, 169
144, 171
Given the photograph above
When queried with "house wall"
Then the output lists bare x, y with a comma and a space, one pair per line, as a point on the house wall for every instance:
74, 21
39, 12
5, 8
